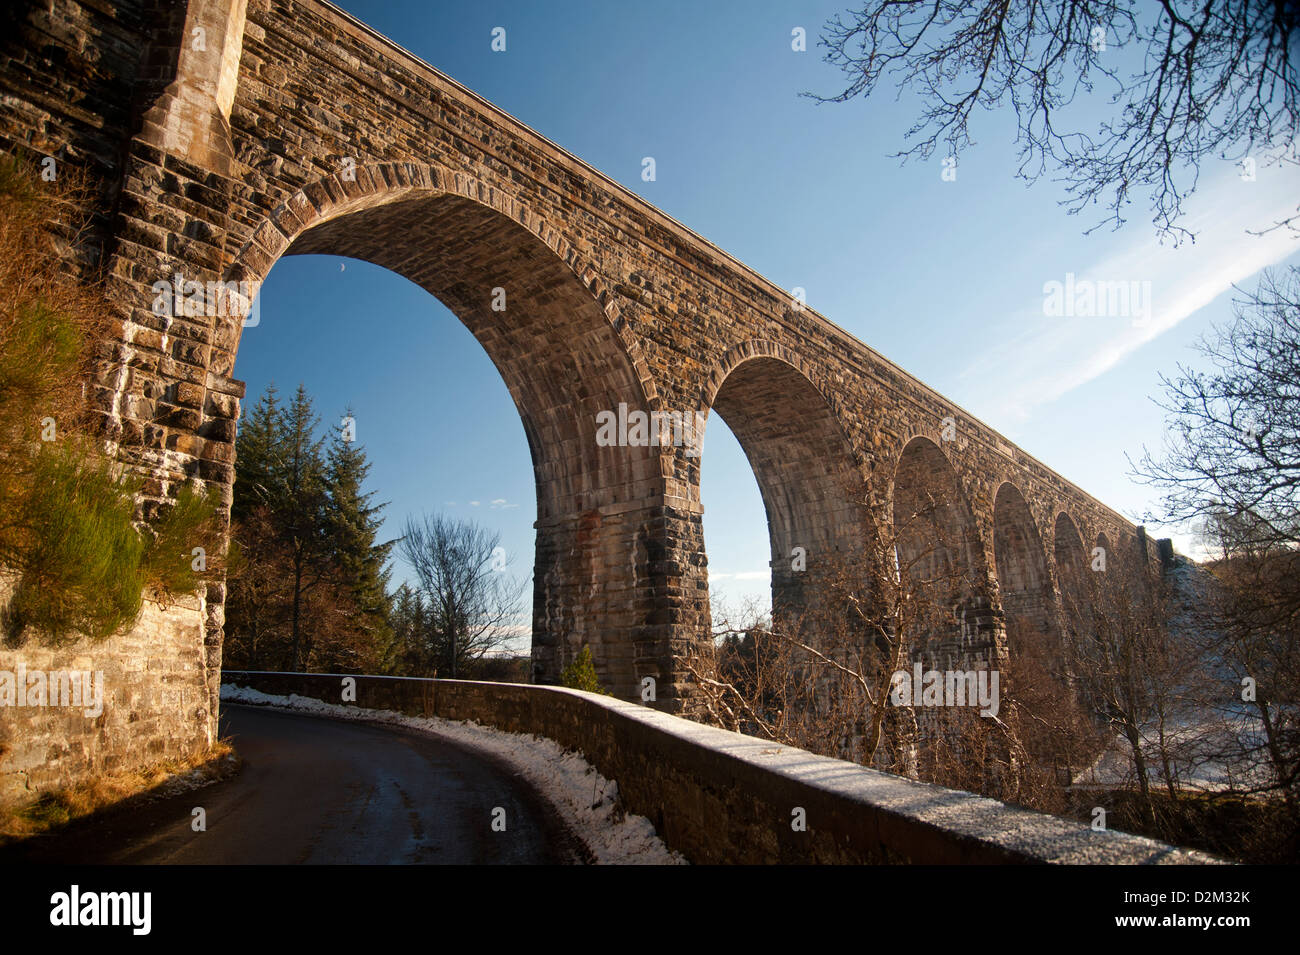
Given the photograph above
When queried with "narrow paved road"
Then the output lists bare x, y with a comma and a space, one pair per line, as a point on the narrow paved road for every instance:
316, 790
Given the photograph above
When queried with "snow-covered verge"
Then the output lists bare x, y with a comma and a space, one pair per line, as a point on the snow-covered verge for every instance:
1211, 748
586, 801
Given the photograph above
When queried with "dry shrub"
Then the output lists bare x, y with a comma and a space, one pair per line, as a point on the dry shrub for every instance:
68, 510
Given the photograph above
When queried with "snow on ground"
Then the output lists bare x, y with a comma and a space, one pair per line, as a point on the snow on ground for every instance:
585, 800
1211, 749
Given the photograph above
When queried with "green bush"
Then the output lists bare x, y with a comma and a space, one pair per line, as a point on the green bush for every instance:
43, 342
68, 529
81, 567
169, 562
580, 674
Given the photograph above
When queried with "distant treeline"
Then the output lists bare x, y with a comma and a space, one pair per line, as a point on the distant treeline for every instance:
309, 583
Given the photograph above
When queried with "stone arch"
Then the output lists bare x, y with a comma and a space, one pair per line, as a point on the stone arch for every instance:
1072, 567
565, 356
1111, 558
1123, 571
808, 473
383, 183
1028, 602
941, 558
746, 351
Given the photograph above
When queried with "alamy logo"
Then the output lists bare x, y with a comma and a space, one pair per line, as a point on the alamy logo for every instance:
639, 429
1085, 298
191, 298
75, 907
946, 688
24, 687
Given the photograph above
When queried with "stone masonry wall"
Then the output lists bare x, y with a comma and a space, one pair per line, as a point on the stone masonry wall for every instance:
157, 704
319, 94
74, 81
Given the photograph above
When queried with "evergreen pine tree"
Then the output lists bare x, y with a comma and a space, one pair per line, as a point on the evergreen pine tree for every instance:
256, 446
311, 593
300, 496
354, 523
280, 521
257, 598
580, 674
395, 657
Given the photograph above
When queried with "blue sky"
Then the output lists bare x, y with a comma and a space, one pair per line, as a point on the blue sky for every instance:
946, 278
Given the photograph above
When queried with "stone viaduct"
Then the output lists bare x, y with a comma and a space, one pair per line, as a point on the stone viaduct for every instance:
225, 134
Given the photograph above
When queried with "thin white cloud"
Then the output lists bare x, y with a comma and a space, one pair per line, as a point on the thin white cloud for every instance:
1053, 355
742, 575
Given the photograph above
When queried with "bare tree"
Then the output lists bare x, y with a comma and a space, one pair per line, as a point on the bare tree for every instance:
1232, 464
1130, 671
1232, 456
1231, 467
819, 675
472, 601
1188, 80
1249, 633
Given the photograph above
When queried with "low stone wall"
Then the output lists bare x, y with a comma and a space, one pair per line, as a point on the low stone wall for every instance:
159, 701
722, 797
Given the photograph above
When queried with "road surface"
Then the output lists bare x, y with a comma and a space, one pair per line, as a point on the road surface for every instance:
316, 790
